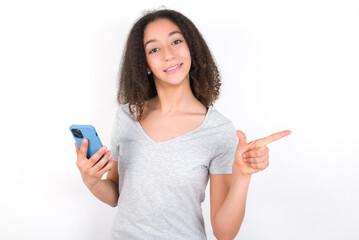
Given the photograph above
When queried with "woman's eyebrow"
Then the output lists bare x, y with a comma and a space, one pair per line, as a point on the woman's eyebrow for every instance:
170, 34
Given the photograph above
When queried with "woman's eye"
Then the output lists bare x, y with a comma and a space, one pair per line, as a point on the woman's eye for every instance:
154, 50
177, 42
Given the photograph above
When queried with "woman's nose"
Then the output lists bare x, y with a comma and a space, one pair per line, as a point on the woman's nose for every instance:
168, 53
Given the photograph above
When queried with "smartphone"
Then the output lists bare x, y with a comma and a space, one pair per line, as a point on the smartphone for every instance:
89, 132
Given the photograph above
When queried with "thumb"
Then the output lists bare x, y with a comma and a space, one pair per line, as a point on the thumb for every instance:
242, 139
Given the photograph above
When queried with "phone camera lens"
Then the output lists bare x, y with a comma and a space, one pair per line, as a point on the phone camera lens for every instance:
77, 133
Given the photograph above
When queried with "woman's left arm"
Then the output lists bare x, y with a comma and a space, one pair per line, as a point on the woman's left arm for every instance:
249, 158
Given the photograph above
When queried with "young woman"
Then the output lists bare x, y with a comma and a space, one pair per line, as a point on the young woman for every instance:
168, 140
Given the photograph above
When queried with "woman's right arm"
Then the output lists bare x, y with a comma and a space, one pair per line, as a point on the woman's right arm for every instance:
105, 190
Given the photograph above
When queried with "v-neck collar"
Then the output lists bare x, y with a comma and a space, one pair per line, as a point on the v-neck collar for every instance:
138, 124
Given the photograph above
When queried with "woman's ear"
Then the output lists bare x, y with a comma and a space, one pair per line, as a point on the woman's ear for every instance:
148, 70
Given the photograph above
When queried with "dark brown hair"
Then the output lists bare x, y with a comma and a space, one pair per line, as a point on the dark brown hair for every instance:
135, 86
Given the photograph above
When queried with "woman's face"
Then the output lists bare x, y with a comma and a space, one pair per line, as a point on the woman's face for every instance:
167, 53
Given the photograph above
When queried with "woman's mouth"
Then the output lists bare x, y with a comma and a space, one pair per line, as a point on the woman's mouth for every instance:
174, 68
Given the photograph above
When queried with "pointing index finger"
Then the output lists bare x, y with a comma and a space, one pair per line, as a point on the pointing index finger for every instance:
273, 137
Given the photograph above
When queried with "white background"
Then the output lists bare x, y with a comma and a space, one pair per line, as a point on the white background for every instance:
284, 64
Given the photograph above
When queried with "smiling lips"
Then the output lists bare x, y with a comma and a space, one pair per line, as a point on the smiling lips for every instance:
174, 68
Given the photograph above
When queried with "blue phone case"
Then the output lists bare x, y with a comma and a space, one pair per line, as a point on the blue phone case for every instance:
89, 132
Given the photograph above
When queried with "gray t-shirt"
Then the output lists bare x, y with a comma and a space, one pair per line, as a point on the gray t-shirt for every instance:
162, 184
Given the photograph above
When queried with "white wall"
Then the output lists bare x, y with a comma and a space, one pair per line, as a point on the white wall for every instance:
285, 65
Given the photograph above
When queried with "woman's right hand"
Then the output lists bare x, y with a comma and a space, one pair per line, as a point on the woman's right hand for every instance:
92, 172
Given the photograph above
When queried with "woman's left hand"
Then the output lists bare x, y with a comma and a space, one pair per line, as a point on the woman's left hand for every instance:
253, 157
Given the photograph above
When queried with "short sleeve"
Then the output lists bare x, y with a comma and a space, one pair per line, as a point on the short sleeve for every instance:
224, 153
115, 147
